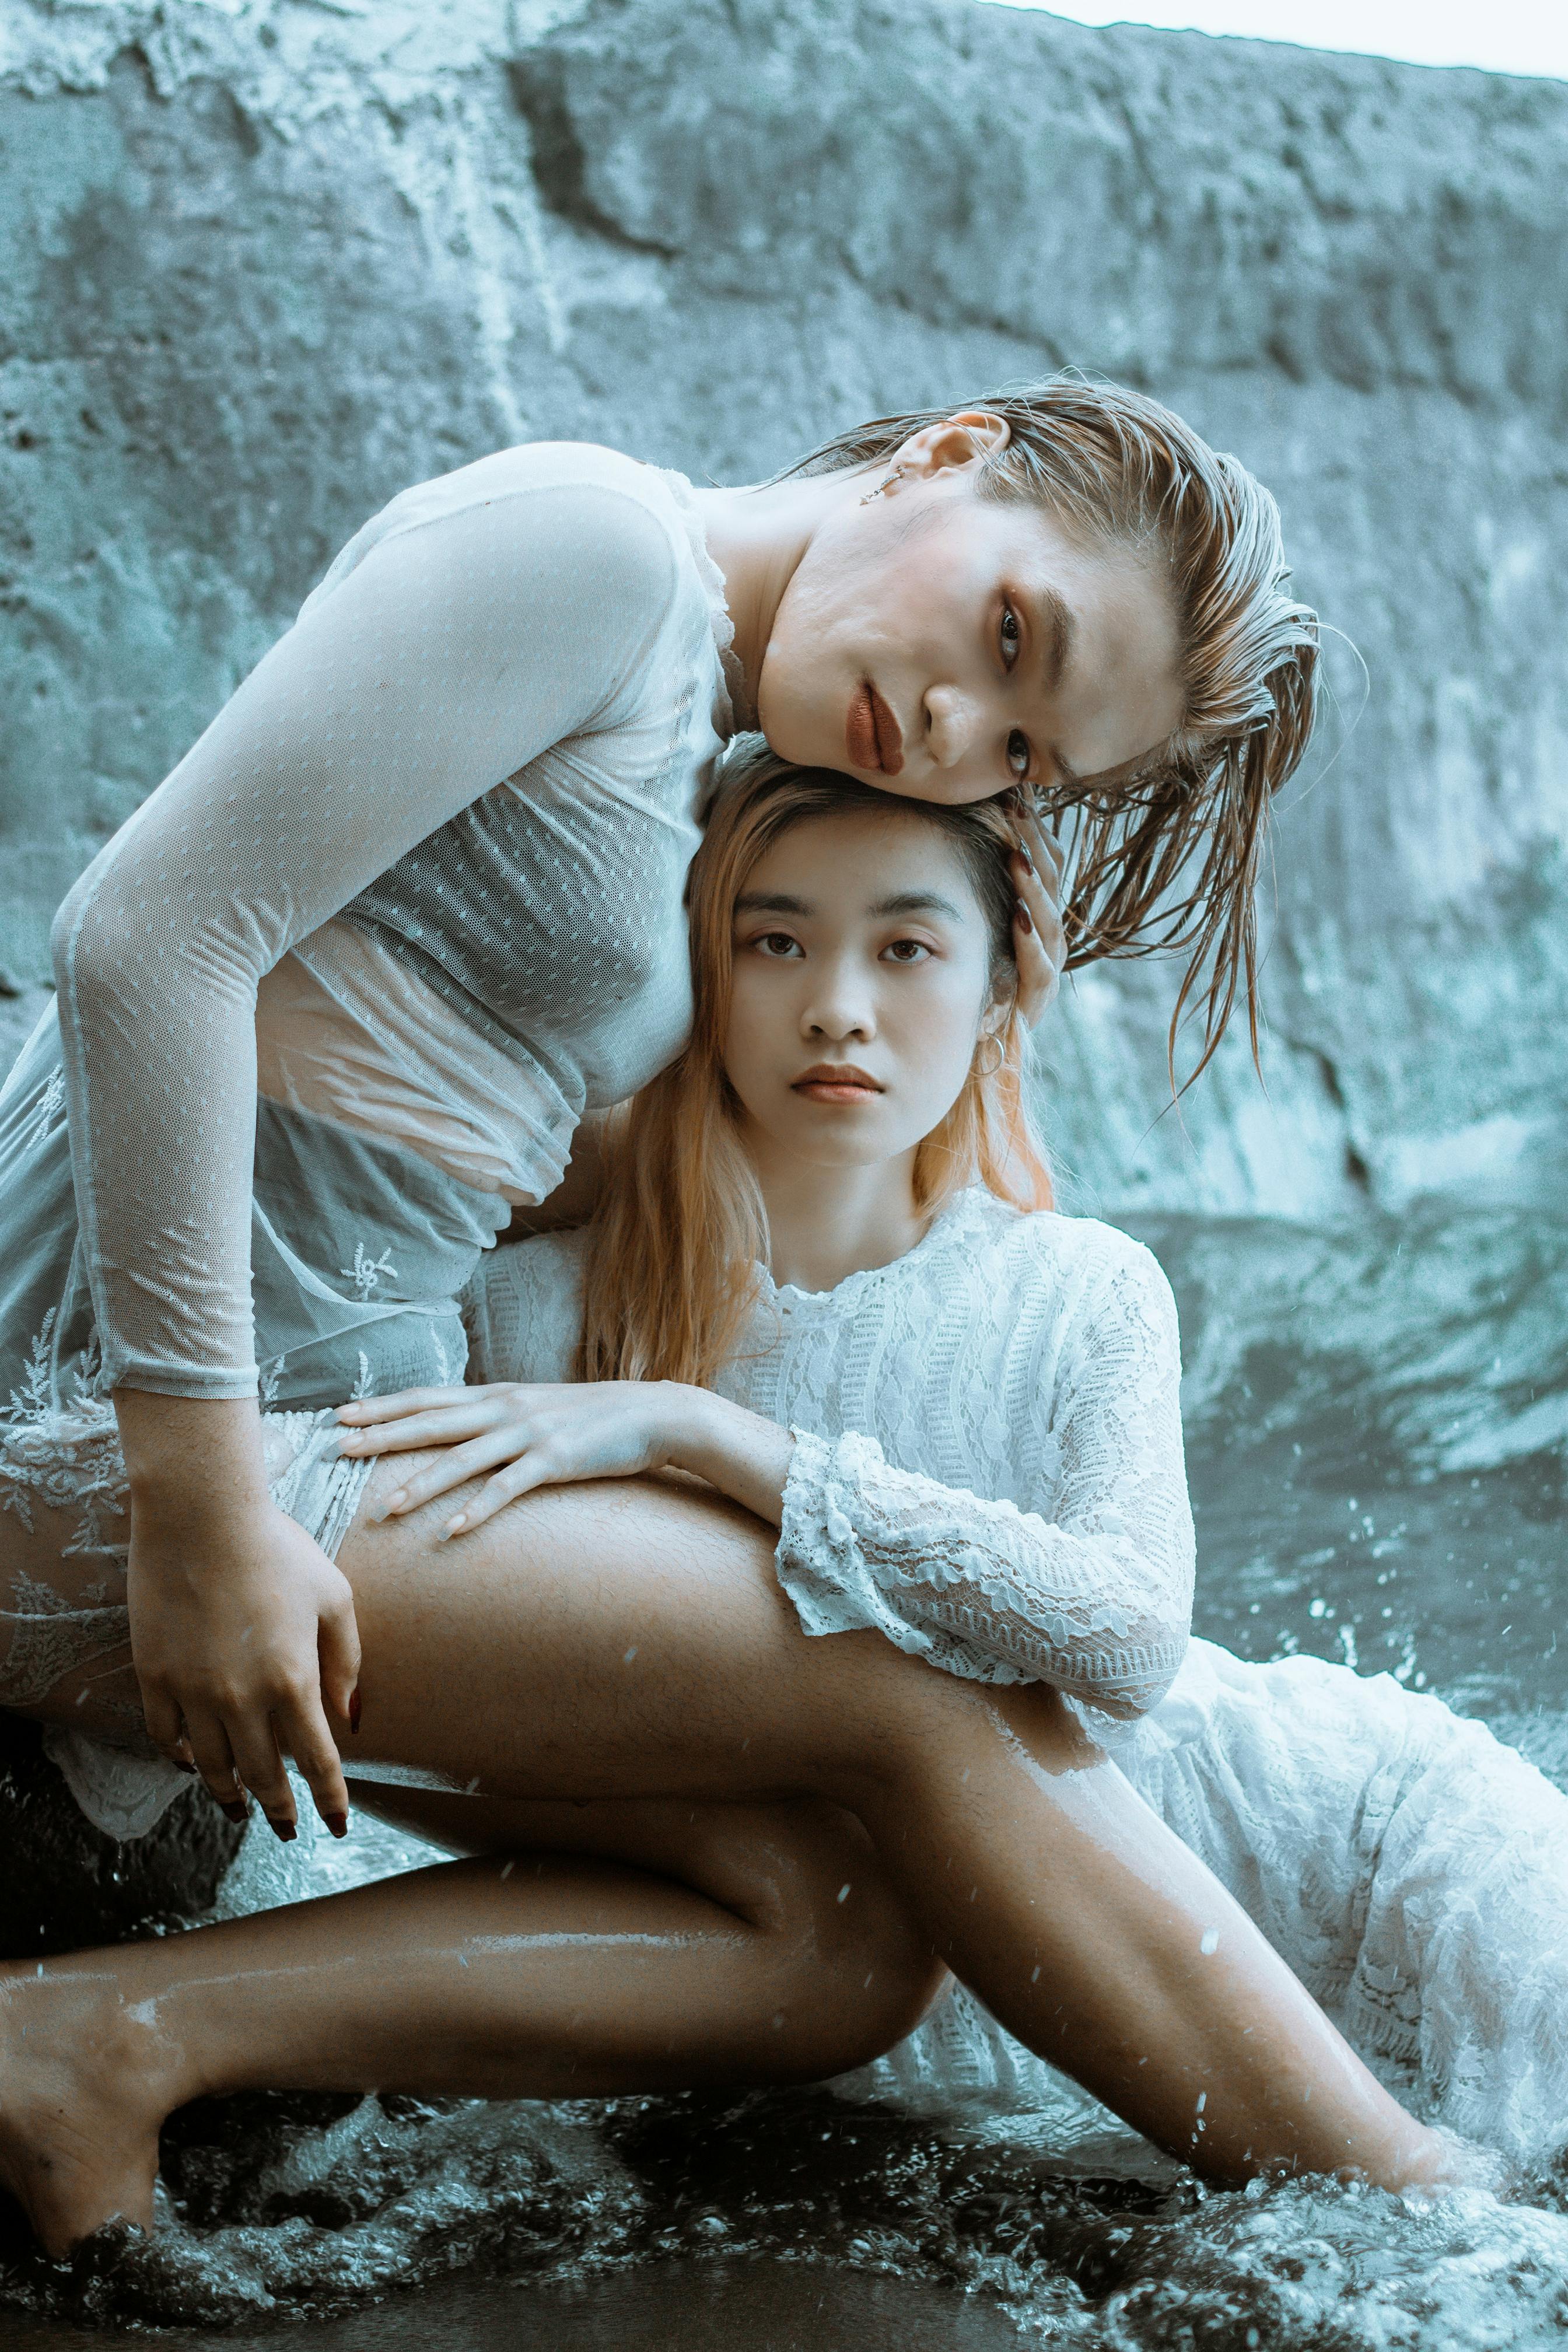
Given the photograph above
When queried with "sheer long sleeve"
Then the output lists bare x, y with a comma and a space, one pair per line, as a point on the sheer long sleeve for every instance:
1090, 1590
453, 649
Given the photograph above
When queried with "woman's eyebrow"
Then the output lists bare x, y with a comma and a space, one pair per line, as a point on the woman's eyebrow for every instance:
1057, 625
771, 902
916, 902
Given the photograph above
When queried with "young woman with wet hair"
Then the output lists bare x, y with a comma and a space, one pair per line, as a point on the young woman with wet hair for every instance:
337, 997
708, 1846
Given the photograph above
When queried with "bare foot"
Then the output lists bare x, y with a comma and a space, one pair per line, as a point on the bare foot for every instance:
81, 2098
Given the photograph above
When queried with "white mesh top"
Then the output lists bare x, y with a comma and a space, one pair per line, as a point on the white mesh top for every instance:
421, 875
988, 1460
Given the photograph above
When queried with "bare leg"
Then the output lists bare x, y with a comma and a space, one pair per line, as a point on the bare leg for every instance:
605, 1948
630, 1642
538, 1976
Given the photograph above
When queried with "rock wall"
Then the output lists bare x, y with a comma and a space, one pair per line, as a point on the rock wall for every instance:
270, 259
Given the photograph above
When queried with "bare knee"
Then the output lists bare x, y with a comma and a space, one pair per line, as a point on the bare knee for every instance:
852, 1970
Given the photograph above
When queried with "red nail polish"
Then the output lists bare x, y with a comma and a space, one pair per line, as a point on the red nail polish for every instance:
180, 1764
355, 1708
1025, 920
280, 1828
337, 1824
237, 1812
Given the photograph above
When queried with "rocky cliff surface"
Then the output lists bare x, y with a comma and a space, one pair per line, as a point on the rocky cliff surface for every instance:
268, 260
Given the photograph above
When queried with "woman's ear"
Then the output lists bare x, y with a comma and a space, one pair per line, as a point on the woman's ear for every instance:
1001, 1003
973, 434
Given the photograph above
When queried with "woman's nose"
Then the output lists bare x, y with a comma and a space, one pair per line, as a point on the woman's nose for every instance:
839, 1010
953, 724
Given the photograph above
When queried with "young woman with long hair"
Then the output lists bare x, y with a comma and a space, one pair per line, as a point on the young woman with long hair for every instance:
336, 998
985, 1361
707, 1844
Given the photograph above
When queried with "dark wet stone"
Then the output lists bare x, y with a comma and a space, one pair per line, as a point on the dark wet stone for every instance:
64, 1884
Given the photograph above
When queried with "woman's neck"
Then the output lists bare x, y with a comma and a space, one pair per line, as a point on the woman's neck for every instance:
826, 1223
757, 536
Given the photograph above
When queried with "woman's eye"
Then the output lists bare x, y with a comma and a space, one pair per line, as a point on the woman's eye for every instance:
778, 943
906, 950
1018, 755
1011, 635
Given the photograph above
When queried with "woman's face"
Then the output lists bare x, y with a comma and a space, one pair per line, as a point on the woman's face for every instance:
861, 978
944, 647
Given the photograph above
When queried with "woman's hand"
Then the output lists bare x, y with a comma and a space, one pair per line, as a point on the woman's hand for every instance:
1038, 942
241, 1630
529, 1436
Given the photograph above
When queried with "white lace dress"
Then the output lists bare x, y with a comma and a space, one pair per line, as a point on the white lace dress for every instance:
988, 1468
337, 994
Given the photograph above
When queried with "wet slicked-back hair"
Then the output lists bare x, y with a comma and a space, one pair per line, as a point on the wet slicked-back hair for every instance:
1164, 857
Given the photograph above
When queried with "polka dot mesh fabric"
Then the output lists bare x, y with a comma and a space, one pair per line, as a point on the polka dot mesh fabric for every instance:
479, 750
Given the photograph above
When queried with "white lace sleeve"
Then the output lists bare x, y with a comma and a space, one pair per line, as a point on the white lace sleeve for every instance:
1091, 1591
449, 658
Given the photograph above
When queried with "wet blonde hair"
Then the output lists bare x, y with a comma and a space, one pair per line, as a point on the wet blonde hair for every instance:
1166, 857
681, 1230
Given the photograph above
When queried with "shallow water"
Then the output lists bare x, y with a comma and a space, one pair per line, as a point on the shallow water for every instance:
1375, 1431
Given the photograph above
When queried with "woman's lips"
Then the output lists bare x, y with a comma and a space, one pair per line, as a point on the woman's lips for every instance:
872, 736
833, 1084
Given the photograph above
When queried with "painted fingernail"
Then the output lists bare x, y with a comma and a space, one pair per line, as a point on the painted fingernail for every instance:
237, 1812
180, 1764
280, 1828
1025, 922
356, 1705
337, 1824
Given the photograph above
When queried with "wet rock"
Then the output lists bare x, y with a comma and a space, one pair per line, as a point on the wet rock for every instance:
272, 263
64, 1884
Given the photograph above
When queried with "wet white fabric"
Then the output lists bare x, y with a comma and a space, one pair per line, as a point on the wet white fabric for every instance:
1411, 1869
988, 1459
480, 748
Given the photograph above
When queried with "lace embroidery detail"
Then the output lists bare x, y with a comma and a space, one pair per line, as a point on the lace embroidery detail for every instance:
48, 1112
1085, 1580
366, 1271
64, 1456
60, 1457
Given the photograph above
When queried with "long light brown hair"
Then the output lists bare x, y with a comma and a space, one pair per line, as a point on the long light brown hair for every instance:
681, 1230
1166, 857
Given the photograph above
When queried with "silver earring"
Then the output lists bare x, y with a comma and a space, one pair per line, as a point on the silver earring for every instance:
896, 474
981, 1071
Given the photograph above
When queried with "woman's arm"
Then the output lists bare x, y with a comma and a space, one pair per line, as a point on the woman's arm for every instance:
452, 655
520, 1435
1092, 1591
449, 658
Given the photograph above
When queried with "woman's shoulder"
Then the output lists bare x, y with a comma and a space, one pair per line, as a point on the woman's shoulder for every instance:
598, 509
1071, 1262
1049, 1237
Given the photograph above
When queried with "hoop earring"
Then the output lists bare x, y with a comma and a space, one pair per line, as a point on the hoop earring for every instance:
895, 474
1001, 1058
